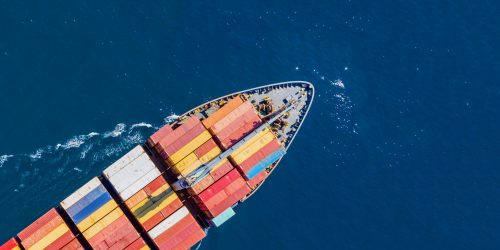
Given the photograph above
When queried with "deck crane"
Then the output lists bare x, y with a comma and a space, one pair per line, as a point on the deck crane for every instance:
203, 170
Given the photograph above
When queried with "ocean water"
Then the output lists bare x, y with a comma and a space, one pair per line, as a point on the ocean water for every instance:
401, 149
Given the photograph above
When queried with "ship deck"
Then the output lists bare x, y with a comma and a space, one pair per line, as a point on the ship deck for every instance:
268, 99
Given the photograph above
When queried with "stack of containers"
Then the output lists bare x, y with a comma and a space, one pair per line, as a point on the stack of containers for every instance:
153, 203
218, 171
222, 194
131, 173
158, 135
179, 231
232, 122
47, 232
253, 157
187, 147
138, 244
98, 217
10, 245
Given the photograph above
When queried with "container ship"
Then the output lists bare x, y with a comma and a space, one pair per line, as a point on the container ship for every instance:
186, 178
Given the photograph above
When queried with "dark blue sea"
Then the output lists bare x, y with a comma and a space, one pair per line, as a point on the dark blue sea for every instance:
401, 148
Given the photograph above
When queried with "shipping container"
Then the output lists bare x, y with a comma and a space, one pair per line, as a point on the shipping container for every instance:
252, 183
205, 148
239, 134
186, 165
49, 230
169, 147
114, 231
169, 222
222, 112
223, 217
10, 245
139, 184
258, 156
231, 117
222, 194
171, 137
73, 245
251, 149
123, 161
159, 135
131, 172
221, 169
185, 238
88, 204
250, 117
251, 140
189, 147
255, 170
138, 244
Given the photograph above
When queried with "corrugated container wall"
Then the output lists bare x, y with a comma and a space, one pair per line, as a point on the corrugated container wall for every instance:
47, 232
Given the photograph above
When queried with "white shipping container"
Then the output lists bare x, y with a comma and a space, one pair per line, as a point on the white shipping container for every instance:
132, 172
168, 222
80, 193
139, 184
123, 161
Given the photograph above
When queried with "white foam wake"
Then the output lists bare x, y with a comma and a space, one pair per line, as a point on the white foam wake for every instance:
119, 129
171, 118
4, 158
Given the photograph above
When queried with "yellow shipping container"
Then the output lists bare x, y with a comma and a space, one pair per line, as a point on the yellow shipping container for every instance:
50, 237
252, 140
166, 200
188, 161
147, 202
97, 215
103, 223
190, 168
190, 147
210, 155
218, 165
253, 148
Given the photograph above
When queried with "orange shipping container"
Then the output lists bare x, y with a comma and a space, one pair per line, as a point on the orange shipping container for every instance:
231, 117
222, 112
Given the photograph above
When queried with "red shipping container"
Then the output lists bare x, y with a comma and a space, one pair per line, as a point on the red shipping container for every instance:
125, 241
231, 117
170, 147
221, 170
73, 245
239, 134
136, 245
191, 241
181, 236
61, 241
121, 226
154, 185
153, 221
9, 244
42, 231
205, 148
158, 135
171, 208
215, 200
177, 227
252, 183
230, 201
260, 155
179, 131
43, 220
201, 185
249, 117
